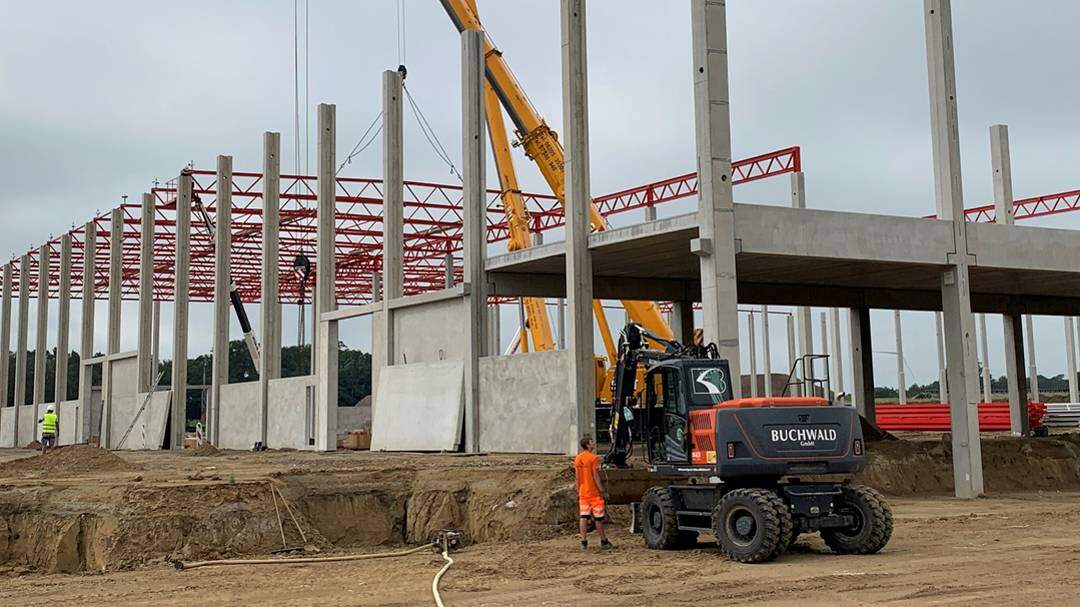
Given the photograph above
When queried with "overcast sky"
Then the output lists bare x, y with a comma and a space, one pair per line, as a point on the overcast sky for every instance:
98, 99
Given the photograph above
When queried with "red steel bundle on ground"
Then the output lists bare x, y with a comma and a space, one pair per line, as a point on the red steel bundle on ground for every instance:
935, 416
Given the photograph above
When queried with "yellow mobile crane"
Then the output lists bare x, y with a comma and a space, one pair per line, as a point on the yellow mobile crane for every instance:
541, 144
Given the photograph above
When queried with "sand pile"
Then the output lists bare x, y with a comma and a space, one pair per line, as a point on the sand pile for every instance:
66, 461
204, 450
34, 444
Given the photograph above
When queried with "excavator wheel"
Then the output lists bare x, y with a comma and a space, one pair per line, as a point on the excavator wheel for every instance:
659, 524
788, 535
873, 522
750, 525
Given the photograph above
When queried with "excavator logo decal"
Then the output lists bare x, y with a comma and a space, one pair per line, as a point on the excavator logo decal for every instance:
709, 381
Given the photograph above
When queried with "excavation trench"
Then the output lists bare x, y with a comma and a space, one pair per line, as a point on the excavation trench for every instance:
366, 503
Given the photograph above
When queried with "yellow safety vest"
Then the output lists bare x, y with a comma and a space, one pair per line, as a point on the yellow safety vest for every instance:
48, 424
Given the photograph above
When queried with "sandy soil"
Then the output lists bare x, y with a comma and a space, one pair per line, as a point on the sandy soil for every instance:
1002, 550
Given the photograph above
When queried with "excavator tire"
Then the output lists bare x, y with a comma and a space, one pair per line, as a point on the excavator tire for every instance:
787, 530
659, 525
873, 527
748, 525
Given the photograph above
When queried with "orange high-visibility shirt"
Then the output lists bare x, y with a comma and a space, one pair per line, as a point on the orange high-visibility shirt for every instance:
585, 466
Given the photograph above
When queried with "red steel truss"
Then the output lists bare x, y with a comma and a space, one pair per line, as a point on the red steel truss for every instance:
432, 230
1038, 206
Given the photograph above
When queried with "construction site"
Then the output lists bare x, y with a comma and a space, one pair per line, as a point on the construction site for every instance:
719, 353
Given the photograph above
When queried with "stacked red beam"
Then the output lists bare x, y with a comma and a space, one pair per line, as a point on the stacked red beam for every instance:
993, 417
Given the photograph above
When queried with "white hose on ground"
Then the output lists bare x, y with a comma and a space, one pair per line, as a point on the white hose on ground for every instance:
438, 576
303, 560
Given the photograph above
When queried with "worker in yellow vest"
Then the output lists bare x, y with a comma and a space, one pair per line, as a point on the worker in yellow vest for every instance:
50, 428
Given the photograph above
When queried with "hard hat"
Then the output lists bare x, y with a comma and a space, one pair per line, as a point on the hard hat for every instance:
50, 408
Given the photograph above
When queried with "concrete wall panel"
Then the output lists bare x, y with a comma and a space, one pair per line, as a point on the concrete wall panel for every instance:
28, 426
239, 416
430, 332
7, 426
525, 404
289, 410
420, 407
148, 431
69, 422
124, 377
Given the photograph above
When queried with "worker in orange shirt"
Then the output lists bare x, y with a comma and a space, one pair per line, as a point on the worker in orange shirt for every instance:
590, 493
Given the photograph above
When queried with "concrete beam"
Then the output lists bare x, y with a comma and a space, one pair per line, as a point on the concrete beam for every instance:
1002, 167
862, 363
63, 321
712, 118
219, 373
1014, 370
955, 281
86, 332
269, 305
901, 380
393, 205
1033, 371
579, 279
42, 331
5, 335
326, 367
474, 228
181, 299
22, 336
146, 294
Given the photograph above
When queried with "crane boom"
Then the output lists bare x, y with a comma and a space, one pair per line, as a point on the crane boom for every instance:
541, 145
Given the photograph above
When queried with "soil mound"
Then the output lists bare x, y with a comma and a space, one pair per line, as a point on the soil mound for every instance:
204, 450
66, 461
36, 445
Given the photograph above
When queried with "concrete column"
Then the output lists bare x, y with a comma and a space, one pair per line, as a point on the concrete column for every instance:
22, 336
682, 321
474, 229
155, 344
942, 374
955, 280
326, 367
802, 313
1070, 354
181, 299
752, 338
116, 260
766, 350
561, 318
1033, 372
146, 294
795, 390
1014, 371
219, 372
269, 305
5, 335
1002, 167
494, 317
987, 390
579, 285
448, 271
86, 333
837, 371
393, 205
42, 331
63, 321
823, 329
716, 218
862, 363
901, 379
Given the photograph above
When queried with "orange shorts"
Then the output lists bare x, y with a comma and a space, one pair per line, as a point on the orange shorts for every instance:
591, 506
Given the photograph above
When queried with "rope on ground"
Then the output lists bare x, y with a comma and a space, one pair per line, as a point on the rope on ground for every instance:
438, 576
302, 560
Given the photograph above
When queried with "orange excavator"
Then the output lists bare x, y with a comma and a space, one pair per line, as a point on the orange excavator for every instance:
541, 145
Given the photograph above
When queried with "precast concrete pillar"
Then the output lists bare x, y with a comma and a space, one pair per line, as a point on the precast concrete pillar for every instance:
835, 356
943, 380
766, 351
86, 335
393, 206
1019, 423
901, 379
1033, 371
955, 280
987, 390
579, 276
181, 304
1002, 168
1070, 357
5, 335
222, 278
326, 354
474, 226
862, 363
793, 389
42, 330
802, 313
716, 218
269, 302
751, 337
146, 294
63, 321
22, 336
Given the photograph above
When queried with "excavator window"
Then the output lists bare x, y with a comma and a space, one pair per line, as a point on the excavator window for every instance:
673, 423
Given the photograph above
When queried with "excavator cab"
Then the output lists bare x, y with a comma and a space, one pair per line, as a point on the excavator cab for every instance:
674, 389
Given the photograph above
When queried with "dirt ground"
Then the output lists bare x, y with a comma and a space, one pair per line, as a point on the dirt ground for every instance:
94, 528
1003, 550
